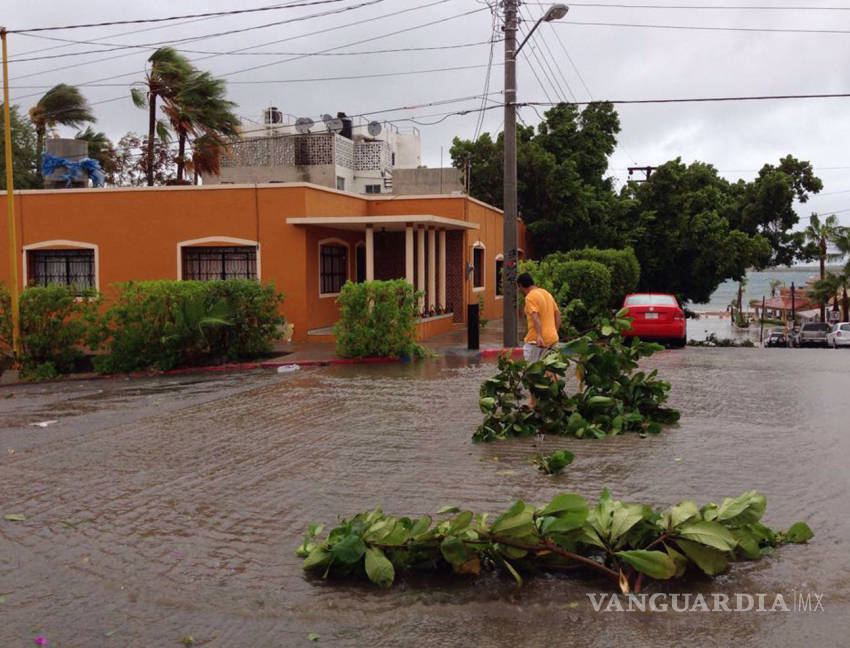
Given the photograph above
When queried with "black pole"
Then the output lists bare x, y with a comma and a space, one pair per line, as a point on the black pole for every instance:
793, 303
761, 332
472, 326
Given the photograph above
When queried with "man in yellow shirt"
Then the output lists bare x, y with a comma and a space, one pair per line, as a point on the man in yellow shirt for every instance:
544, 318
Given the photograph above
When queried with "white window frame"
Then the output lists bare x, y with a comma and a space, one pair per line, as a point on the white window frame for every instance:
479, 245
61, 244
332, 241
216, 240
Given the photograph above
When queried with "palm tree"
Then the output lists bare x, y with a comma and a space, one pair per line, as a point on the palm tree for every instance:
829, 288
168, 74
774, 284
820, 234
100, 149
62, 104
200, 109
206, 155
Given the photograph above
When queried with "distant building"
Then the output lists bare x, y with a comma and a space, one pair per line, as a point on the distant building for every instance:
365, 158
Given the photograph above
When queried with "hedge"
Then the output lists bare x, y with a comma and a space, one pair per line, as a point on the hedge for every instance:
165, 324
55, 322
622, 264
377, 318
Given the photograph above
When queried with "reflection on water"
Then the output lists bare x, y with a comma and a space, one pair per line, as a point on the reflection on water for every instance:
191, 517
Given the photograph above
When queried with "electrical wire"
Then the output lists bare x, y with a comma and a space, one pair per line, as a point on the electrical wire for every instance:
550, 61
766, 30
136, 21
533, 69
606, 5
480, 121
346, 77
824, 95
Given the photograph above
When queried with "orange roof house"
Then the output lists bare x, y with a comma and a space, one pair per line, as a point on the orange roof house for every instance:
308, 239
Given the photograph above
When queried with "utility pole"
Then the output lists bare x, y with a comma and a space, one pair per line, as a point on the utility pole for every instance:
509, 242
647, 170
10, 207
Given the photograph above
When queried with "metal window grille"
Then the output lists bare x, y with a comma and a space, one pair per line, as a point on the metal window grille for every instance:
478, 267
65, 267
499, 265
333, 263
373, 188
210, 263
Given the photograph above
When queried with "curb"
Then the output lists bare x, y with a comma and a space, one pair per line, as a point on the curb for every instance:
326, 363
495, 352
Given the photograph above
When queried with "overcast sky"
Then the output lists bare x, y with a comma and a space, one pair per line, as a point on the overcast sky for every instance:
573, 61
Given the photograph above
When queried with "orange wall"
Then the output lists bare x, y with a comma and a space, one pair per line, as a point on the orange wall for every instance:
137, 231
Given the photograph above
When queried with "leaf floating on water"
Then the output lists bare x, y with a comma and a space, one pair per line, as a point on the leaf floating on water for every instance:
15, 517
312, 636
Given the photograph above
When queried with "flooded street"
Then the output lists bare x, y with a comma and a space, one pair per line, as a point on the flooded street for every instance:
166, 508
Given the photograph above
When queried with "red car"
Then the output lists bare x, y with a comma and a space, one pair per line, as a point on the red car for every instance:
656, 317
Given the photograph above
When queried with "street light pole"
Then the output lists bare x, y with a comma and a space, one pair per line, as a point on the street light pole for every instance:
10, 206
509, 228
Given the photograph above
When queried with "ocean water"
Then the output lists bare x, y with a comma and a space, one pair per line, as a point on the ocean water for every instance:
758, 286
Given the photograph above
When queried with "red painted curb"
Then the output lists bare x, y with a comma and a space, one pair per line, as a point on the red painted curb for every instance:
326, 363
492, 352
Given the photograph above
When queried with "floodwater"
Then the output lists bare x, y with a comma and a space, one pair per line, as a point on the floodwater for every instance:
160, 510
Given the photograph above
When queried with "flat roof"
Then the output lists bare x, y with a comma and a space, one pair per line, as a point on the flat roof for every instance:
397, 222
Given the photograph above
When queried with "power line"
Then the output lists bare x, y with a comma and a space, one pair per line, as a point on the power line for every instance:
197, 38
480, 121
835, 95
601, 5
214, 53
556, 89
550, 61
770, 30
170, 18
347, 77
338, 47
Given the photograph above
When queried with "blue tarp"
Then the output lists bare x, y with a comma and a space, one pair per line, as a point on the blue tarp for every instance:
50, 162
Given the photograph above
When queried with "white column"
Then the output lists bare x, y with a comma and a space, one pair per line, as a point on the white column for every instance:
420, 264
370, 253
442, 266
432, 268
408, 254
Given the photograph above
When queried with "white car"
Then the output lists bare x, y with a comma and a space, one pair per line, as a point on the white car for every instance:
839, 335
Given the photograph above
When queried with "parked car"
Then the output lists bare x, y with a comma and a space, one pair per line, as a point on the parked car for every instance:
811, 334
656, 317
776, 338
839, 335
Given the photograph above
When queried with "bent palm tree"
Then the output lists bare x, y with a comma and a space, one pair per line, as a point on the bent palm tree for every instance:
168, 74
206, 155
200, 109
62, 104
821, 234
100, 149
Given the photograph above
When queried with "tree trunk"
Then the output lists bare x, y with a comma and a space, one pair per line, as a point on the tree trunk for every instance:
151, 135
822, 275
844, 305
181, 153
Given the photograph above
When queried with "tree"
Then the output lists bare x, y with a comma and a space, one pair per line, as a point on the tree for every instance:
774, 284
24, 157
62, 104
131, 162
820, 234
766, 206
166, 76
829, 288
679, 228
100, 149
200, 108
206, 155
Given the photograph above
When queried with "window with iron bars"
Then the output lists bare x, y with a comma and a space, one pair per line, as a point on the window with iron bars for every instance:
333, 266
225, 262
64, 267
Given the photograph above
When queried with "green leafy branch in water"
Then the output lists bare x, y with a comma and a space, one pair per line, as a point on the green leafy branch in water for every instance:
611, 396
553, 463
627, 542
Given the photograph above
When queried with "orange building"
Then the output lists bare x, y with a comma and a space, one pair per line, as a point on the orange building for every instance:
307, 239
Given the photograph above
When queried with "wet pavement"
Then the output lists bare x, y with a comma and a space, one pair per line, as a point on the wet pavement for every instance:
165, 508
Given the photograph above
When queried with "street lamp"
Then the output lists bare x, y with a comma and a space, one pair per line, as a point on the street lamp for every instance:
509, 242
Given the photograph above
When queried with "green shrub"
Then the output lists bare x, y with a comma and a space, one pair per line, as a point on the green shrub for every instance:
54, 323
581, 288
622, 264
165, 324
377, 318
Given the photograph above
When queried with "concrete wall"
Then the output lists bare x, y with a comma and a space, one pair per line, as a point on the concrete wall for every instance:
427, 181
